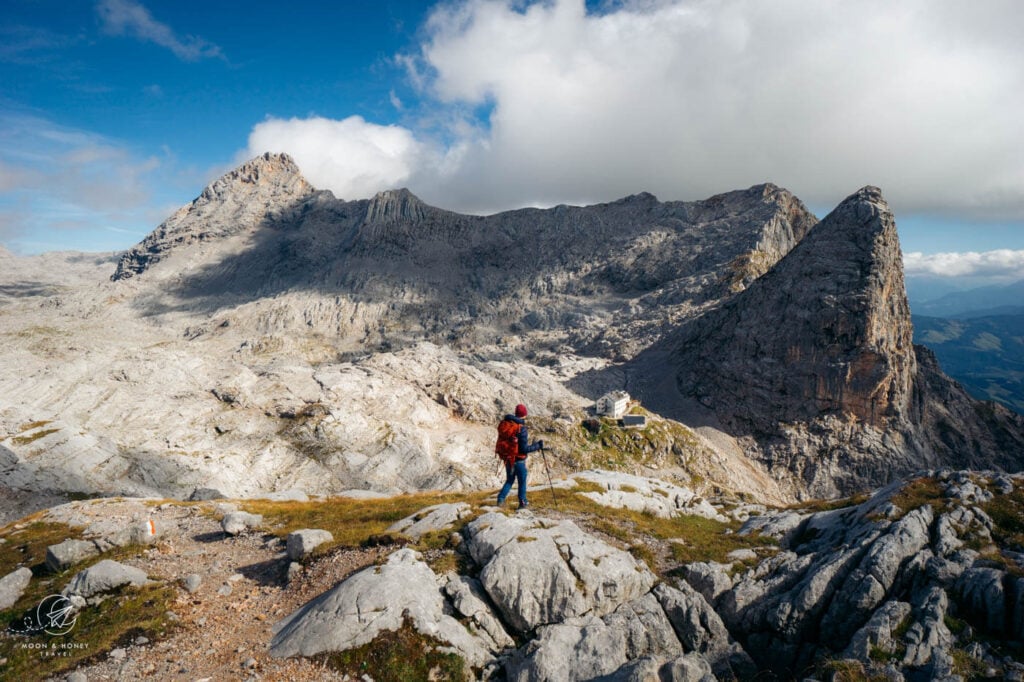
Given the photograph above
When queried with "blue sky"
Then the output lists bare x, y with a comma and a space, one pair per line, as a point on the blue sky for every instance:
113, 113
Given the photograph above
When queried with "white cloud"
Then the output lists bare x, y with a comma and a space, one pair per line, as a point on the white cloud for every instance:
686, 99
1001, 263
125, 17
59, 184
352, 158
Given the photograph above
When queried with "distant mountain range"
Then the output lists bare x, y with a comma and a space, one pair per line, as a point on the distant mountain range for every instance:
985, 354
978, 337
1002, 299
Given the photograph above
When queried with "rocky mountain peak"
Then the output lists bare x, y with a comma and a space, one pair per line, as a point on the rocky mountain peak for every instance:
827, 330
260, 174
266, 189
395, 204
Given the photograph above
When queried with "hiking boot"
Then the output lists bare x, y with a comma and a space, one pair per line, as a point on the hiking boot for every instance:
501, 501
523, 504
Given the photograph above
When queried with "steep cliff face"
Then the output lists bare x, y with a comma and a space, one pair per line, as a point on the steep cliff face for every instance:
813, 365
826, 331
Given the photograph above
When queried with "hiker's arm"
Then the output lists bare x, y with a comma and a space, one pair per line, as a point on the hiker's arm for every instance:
524, 442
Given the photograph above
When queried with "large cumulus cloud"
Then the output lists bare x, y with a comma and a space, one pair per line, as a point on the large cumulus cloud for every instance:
548, 102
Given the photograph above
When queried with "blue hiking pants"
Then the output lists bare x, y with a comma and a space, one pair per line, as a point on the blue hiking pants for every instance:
514, 472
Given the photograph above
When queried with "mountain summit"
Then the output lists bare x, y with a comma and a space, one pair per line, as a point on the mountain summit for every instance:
256, 193
814, 363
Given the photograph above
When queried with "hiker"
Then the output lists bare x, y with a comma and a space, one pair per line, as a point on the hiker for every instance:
512, 448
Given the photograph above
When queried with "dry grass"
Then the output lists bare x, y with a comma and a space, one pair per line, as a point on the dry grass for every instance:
401, 656
919, 492
353, 522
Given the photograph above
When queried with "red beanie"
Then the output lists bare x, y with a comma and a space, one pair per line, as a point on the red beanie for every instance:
520, 410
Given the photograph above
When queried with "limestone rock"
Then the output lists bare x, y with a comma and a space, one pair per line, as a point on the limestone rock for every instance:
105, 576
375, 599
648, 495
12, 586
437, 517
66, 554
878, 632
237, 522
537, 572
301, 543
588, 648
469, 599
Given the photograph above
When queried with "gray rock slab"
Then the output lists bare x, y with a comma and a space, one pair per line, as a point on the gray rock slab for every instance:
780, 525
437, 517
375, 599
710, 579
540, 572
105, 576
878, 632
301, 543
13, 585
648, 495
469, 599
64, 555
237, 522
594, 648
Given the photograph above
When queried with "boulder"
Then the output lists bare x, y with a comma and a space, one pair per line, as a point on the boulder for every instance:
928, 639
983, 596
592, 647
191, 582
237, 522
12, 586
204, 494
539, 572
438, 517
301, 543
373, 600
64, 555
689, 668
105, 576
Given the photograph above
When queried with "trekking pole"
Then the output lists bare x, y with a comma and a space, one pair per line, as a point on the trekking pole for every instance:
550, 484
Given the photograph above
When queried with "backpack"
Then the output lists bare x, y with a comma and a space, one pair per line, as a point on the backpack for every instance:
507, 447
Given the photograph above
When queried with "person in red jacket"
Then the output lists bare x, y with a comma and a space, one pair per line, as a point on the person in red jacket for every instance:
513, 447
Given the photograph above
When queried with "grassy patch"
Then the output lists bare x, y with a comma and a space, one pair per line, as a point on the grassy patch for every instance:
401, 656
848, 670
98, 629
32, 437
920, 492
585, 486
696, 538
967, 666
1007, 513
27, 546
351, 522
28, 426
